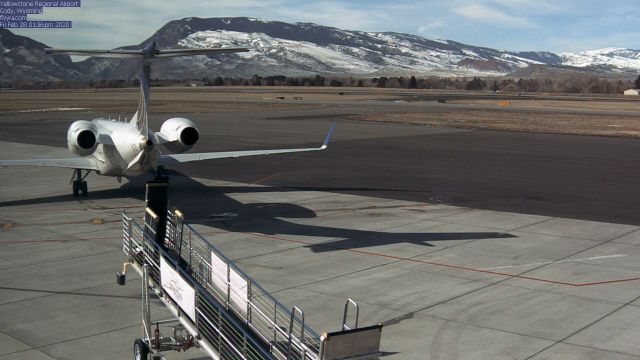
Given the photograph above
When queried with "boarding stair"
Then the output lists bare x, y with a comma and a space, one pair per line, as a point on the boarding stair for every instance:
228, 314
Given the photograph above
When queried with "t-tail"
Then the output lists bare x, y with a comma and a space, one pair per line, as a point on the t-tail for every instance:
145, 56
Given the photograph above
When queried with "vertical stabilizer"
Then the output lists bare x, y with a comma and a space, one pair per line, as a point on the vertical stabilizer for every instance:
145, 56
140, 118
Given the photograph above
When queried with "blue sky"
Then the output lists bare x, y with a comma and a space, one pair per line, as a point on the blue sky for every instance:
566, 25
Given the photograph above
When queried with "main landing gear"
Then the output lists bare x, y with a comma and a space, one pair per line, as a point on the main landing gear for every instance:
79, 185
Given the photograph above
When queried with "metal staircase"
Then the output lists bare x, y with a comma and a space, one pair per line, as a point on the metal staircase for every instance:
228, 314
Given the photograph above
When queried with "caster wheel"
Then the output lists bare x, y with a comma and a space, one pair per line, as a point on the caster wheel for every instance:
140, 350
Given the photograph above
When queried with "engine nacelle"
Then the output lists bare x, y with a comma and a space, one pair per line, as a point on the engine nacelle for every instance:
82, 138
181, 134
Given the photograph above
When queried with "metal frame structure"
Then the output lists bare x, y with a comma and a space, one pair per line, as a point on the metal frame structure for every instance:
216, 331
232, 317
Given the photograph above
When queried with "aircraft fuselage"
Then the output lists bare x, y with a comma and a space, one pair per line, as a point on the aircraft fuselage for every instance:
127, 144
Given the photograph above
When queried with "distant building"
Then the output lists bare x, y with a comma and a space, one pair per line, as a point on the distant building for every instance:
632, 92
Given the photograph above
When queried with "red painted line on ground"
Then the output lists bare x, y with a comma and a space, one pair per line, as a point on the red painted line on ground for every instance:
267, 178
458, 267
608, 282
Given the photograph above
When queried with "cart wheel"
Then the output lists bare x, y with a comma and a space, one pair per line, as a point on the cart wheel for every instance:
140, 350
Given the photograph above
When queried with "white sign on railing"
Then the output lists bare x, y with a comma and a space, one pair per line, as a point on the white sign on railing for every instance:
238, 291
238, 297
179, 290
219, 274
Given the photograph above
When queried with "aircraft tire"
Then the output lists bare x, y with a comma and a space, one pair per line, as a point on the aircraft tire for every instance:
76, 188
84, 188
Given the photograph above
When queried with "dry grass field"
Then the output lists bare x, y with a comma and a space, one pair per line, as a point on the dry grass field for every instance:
604, 116
179, 99
592, 104
584, 124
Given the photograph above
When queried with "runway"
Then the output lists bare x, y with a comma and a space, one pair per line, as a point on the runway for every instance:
465, 244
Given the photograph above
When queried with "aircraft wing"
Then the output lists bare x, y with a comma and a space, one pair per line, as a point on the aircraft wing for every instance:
181, 158
71, 163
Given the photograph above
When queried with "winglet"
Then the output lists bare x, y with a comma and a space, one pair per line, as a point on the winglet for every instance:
326, 140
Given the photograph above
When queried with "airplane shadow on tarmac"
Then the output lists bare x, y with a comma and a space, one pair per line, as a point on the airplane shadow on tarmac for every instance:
211, 206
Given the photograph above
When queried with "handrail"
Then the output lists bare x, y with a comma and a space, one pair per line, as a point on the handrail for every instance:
344, 315
291, 337
244, 274
136, 229
264, 296
262, 313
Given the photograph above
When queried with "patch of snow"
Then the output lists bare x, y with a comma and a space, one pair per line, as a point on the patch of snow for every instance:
470, 53
519, 61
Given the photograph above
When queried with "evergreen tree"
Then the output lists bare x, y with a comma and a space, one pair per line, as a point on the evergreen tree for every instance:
218, 81
637, 83
475, 84
256, 80
318, 80
269, 81
413, 83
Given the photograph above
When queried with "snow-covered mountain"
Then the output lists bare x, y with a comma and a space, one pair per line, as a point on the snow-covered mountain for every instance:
305, 48
360, 53
620, 58
280, 48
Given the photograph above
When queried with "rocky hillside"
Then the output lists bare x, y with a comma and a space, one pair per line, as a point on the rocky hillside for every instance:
25, 59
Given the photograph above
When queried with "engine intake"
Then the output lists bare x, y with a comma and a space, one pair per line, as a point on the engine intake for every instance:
82, 138
180, 134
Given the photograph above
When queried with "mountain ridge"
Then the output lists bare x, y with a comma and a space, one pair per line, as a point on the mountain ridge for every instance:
300, 49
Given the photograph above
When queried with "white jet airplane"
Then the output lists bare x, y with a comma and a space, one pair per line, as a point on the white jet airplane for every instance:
113, 148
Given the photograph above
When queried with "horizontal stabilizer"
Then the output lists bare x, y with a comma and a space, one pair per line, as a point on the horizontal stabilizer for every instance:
102, 53
144, 53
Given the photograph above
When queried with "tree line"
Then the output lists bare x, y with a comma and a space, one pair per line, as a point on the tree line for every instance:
576, 84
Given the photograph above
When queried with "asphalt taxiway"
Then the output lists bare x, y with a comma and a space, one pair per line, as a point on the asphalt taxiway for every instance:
583, 177
454, 239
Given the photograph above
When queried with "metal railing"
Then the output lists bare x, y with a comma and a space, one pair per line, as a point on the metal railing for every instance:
226, 335
222, 288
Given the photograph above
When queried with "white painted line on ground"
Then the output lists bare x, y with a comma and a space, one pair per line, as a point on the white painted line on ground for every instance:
558, 262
